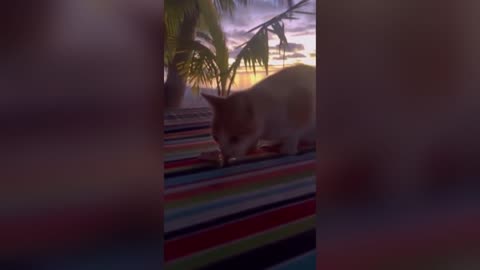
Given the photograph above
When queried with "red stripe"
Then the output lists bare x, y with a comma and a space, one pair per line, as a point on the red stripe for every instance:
195, 161
220, 235
183, 163
194, 145
240, 182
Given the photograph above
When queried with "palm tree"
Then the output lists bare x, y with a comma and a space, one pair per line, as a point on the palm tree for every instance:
196, 50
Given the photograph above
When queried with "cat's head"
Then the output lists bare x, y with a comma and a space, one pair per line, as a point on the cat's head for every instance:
235, 127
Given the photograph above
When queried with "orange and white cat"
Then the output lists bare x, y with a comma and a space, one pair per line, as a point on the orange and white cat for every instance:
280, 108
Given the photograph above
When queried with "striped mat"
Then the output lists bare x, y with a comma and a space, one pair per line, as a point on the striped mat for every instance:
255, 214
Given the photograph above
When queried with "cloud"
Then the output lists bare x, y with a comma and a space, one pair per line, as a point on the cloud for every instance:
297, 55
291, 47
238, 36
311, 32
253, 14
301, 28
233, 53
258, 11
240, 18
293, 55
274, 51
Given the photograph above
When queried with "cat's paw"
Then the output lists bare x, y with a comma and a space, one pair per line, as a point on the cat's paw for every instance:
213, 156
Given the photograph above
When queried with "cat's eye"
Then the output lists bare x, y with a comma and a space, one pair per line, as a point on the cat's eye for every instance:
234, 139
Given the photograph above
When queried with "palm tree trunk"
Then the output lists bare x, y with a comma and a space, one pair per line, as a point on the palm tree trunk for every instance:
175, 84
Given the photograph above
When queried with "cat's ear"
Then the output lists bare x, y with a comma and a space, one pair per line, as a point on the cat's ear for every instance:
214, 101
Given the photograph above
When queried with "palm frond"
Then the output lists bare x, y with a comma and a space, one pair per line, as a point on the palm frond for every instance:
175, 13
205, 37
170, 44
256, 50
284, 15
179, 7
243, 2
207, 8
202, 25
228, 6
175, 10
225, 6
305, 12
200, 68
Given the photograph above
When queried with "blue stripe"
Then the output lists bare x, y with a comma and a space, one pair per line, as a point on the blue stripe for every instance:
241, 168
224, 203
194, 138
306, 261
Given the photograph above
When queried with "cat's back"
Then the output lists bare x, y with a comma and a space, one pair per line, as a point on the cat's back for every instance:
298, 80
287, 95
294, 76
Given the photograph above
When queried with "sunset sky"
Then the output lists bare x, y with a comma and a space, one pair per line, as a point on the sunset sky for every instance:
300, 35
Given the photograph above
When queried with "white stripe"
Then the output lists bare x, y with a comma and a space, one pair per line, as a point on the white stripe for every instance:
295, 259
200, 217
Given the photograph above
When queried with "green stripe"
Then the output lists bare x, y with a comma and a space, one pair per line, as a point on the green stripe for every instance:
203, 258
210, 196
